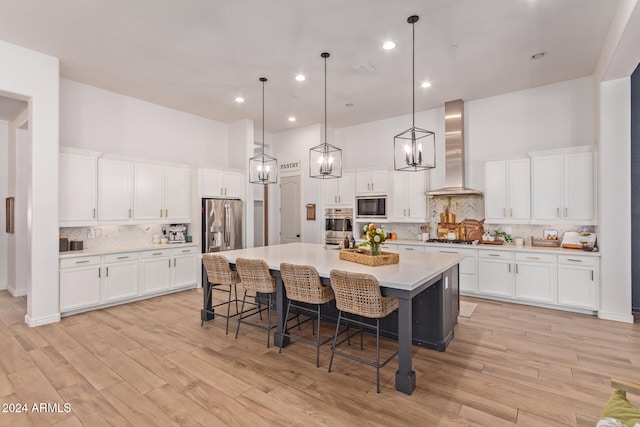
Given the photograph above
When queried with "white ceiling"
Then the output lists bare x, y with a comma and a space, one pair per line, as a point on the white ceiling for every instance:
198, 55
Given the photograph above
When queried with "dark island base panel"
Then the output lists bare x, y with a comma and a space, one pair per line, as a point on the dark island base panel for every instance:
434, 315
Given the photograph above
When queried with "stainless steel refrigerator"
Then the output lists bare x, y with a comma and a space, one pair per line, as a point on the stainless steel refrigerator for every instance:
221, 225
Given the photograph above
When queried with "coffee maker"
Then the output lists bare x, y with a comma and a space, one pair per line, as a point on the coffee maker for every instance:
176, 233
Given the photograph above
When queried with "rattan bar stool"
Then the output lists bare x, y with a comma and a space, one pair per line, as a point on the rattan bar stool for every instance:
302, 284
255, 276
360, 294
220, 276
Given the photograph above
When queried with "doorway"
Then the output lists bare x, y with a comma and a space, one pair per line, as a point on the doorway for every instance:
290, 209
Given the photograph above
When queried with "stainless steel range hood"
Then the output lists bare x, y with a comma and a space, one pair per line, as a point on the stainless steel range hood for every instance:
454, 153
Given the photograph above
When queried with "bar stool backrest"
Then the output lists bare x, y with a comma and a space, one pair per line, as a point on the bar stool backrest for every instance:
255, 276
358, 293
218, 270
302, 283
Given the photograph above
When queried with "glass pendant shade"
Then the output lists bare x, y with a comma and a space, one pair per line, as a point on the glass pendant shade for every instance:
263, 169
414, 149
325, 160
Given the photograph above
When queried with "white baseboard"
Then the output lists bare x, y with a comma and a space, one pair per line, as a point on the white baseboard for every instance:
626, 318
16, 292
42, 320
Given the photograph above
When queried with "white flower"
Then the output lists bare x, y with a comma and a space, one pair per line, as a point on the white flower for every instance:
376, 238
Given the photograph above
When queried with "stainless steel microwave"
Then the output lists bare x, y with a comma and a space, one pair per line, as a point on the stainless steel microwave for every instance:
371, 207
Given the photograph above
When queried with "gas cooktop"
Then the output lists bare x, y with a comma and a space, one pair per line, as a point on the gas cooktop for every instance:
462, 242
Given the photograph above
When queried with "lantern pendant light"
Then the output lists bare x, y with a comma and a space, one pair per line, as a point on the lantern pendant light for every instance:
415, 148
325, 160
263, 169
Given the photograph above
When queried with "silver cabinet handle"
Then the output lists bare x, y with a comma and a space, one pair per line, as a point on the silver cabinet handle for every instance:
516, 268
174, 262
186, 250
566, 212
82, 262
94, 212
574, 260
557, 212
107, 271
592, 275
123, 257
448, 252
409, 249
169, 263
160, 213
157, 253
494, 254
99, 271
129, 213
509, 267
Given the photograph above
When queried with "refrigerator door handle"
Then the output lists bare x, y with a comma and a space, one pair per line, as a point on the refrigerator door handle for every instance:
227, 225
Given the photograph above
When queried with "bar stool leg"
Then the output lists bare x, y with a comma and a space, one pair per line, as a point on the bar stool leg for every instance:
229, 310
378, 355
241, 311
318, 340
284, 327
269, 321
335, 340
206, 299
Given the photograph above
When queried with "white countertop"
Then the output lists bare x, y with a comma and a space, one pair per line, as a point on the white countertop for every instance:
121, 249
503, 247
414, 268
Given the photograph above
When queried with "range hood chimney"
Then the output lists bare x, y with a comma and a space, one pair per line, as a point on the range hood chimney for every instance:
454, 153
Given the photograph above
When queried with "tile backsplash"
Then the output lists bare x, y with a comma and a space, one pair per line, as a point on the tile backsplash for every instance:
113, 235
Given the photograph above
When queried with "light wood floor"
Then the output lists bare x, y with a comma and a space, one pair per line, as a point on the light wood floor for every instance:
150, 363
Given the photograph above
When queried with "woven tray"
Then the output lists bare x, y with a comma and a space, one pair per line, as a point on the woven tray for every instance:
545, 242
365, 257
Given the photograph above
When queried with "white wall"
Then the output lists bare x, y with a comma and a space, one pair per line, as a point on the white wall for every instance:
615, 200
35, 77
4, 176
294, 145
241, 141
99, 120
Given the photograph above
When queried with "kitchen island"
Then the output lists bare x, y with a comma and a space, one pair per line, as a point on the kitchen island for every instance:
426, 286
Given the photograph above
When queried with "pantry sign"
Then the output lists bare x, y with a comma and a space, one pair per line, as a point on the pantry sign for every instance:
289, 166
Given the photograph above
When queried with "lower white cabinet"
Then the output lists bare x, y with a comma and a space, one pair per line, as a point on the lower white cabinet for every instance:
155, 271
495, 273
88, 282
468, 278
120, 276
185, 267
80, 280
578, 278
535, 277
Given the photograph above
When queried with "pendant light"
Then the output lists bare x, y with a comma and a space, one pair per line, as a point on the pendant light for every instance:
415, 148
263, 169
325, 160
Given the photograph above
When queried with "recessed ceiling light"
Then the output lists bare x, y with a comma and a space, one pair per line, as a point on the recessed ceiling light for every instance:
239, 99
292, 119
388, 45
538, 55
425, 84
300, 78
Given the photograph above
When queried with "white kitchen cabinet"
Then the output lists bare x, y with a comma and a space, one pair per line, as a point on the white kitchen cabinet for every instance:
121, 276
155, 271
468, 272
115, 189
80, 279
372, 182
185, 267
408, 199
495, 276
507, 192
578, 281
398, 247
161, 193
564, 186
78, 184
535, 277
220, 183
339, 192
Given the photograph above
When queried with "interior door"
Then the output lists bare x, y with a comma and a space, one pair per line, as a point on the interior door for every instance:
290, 209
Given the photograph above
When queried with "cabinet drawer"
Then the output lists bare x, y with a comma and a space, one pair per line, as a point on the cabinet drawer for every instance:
496, 255
155, 254
125, 256
80, 261
184, 251
534, 257
577, 260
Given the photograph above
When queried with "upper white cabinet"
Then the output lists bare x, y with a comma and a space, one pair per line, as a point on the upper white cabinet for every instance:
339, 192
219, 183
115, 189
507, 192
564, 186
78, 203
372, 182
161, 193
408, 201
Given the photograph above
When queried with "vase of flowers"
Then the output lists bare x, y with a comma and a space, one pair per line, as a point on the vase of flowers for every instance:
374, 236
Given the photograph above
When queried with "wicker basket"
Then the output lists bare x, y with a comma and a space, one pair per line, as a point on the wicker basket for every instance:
545, 242
365, 257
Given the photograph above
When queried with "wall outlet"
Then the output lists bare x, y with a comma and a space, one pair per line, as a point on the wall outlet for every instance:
91, 233
508, 230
